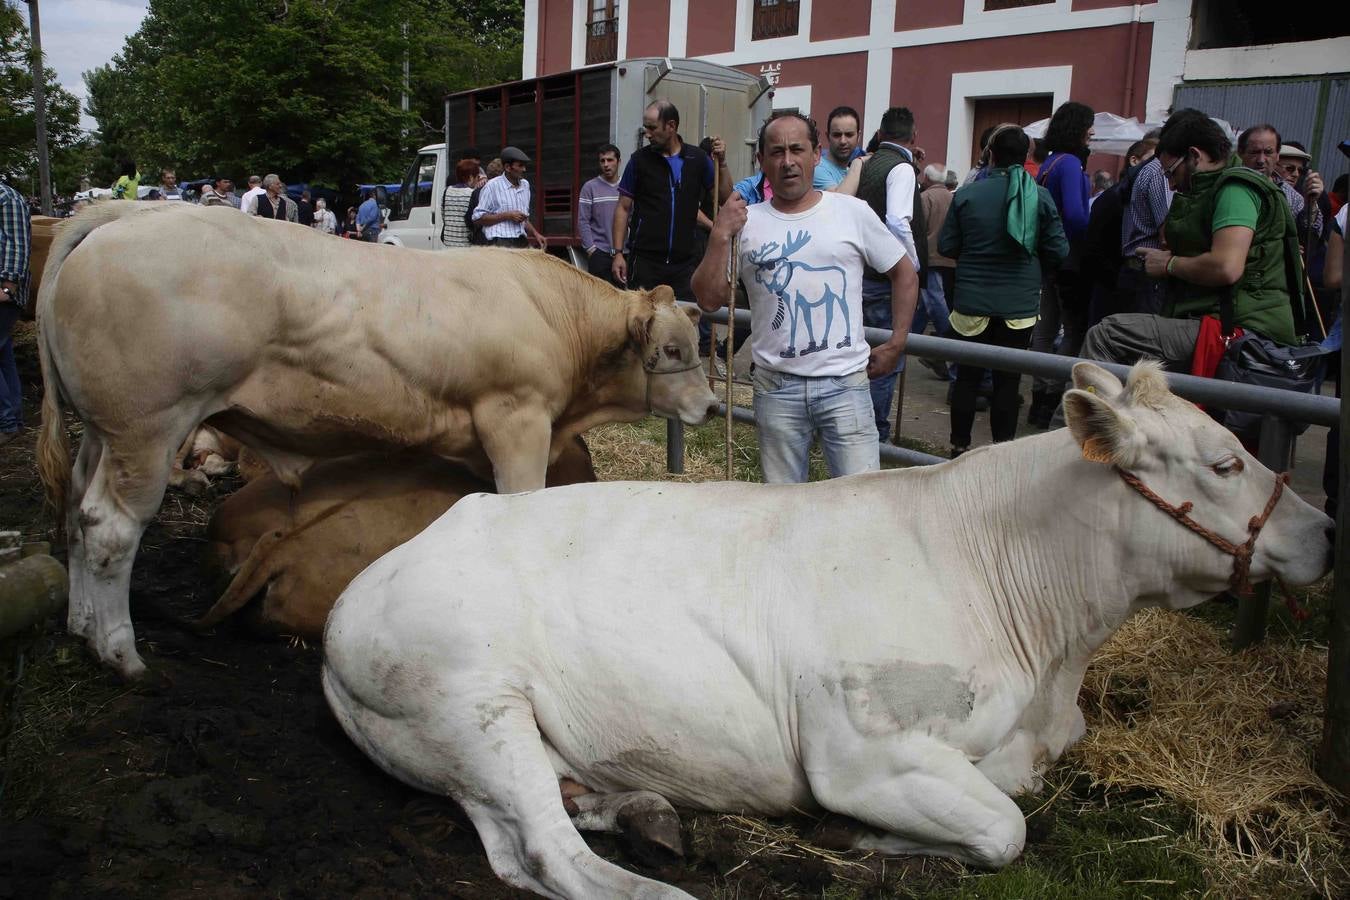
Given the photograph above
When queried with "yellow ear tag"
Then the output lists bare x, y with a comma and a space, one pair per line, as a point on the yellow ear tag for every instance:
1094, 450
1091, 389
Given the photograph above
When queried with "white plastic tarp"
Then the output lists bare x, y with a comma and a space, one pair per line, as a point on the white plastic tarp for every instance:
1113, 134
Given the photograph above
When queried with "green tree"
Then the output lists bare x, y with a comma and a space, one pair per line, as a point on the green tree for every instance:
67, 146
309, 89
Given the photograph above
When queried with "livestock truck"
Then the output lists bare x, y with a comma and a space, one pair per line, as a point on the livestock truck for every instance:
561, 120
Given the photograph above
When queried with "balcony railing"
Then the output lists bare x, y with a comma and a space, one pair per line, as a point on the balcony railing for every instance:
775, 18
602, 41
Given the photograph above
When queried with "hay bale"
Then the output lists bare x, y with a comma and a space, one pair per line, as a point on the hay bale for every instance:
1229, 736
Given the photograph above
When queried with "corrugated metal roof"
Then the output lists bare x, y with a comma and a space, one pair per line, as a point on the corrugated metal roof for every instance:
1291, 106
1336, 128
1288, 105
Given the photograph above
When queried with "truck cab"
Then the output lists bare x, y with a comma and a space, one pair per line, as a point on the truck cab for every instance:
415, 212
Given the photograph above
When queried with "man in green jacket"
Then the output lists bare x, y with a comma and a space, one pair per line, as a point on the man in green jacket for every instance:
1230, 232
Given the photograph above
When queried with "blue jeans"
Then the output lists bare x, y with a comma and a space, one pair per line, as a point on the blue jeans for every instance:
791, 409
11, 392
877, 314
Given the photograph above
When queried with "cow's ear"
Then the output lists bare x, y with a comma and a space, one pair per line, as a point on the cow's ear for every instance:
1106, 433
693, 313
662, 295
1096, 380
640, 315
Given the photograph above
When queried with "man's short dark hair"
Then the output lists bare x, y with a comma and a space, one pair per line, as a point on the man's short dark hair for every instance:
897, 124
665, 111
1188, 128
1067, 127
842, 111
610, 149
1009, 147
1256, 129
780, 114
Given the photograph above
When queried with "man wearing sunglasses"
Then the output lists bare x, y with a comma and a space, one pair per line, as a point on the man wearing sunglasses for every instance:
1229, 231
660, 193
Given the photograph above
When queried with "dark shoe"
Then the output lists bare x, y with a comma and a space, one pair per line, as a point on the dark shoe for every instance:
956, 451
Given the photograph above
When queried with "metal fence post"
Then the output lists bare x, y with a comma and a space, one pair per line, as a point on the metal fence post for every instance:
674, 446
1275, 453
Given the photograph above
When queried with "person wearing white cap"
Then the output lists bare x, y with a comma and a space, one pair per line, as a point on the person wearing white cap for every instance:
503, 210
1293, 162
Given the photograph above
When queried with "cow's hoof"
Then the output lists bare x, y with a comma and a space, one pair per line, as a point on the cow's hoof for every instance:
652, 833
838, 833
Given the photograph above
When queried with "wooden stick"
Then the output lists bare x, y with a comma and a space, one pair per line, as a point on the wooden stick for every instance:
733, 273
712, 336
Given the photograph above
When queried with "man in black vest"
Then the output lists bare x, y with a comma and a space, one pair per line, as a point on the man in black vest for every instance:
660, 192
888, 185
271, 204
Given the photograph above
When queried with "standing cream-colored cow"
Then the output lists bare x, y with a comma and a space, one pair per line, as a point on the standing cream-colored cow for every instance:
301, 347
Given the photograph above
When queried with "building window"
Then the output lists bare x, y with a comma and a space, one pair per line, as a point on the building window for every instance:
1012, 4
775, 18
602, 31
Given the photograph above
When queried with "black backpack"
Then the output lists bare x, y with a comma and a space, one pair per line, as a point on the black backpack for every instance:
476, 235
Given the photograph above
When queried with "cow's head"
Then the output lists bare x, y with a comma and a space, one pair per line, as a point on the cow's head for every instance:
666, 341
1182, 455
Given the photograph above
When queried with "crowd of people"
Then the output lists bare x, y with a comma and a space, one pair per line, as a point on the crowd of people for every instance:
1194, 241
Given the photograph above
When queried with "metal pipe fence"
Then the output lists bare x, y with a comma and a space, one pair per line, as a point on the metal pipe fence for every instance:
1280, 410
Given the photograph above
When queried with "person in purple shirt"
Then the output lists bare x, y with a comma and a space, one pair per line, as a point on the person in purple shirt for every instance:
1064, 295
595, 215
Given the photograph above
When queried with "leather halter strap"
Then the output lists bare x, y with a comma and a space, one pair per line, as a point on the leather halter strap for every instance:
1240, 581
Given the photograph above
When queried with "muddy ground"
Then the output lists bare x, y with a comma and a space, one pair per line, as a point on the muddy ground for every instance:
228, 777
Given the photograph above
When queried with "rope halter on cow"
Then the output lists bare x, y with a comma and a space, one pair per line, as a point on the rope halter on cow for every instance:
1240, 581
649, 366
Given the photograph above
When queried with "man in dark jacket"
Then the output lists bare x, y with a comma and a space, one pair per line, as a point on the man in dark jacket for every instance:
660, 192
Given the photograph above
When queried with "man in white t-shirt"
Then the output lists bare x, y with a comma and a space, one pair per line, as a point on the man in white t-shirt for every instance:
248, 204
801, 260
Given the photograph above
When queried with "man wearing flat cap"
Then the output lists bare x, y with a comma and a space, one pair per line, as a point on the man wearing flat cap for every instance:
503, 210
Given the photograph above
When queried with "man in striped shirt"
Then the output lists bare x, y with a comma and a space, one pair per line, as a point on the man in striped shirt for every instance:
15, 245
503, 210
595, 215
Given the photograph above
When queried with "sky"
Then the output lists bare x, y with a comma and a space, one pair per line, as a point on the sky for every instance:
79, 35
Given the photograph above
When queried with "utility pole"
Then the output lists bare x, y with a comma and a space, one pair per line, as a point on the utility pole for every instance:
40, 107
405, 74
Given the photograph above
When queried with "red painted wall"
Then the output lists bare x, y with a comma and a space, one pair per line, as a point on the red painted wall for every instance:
555, 35
920, 76
911, 14
839, 19
648, 30
712, 27
835, 80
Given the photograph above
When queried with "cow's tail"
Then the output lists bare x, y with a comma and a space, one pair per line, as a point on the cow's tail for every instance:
53, 445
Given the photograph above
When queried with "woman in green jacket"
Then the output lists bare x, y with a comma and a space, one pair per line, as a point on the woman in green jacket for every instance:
1003, 231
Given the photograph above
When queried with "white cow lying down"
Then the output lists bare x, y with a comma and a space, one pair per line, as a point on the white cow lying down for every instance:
754, 648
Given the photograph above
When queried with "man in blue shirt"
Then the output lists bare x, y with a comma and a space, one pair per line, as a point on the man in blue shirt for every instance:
842, 128
368, 219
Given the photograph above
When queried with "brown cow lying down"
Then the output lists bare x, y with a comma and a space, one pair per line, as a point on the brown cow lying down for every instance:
301, 549
304, 348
